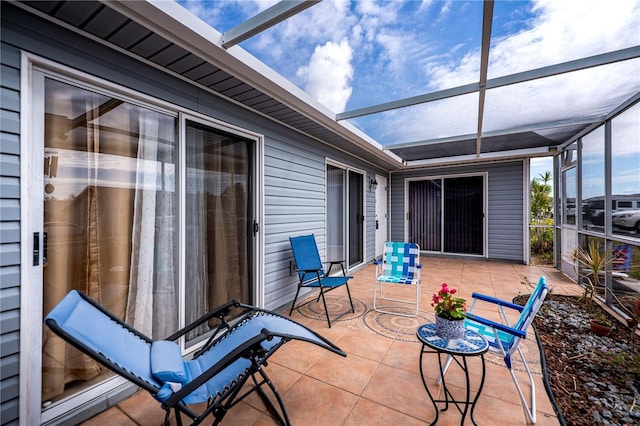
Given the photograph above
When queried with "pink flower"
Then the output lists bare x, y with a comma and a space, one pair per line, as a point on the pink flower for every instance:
447, 305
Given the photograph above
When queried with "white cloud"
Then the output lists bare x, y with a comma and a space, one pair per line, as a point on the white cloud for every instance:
329, 72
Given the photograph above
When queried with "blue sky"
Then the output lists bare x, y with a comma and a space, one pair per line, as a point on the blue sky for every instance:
350, 54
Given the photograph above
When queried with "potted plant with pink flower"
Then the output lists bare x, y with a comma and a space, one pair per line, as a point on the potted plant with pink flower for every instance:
450, 312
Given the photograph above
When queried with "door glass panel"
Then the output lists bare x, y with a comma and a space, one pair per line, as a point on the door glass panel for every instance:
356, 219
463, 215
335, 213
425, 207
218, 219
109, 217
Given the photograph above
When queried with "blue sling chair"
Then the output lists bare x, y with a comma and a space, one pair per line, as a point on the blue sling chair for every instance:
505, 338
236, 352
311, 273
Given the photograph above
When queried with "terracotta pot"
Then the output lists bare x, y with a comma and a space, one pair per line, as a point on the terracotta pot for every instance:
599, 329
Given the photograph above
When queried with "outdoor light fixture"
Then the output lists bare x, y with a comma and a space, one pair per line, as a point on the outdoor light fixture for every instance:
373, 184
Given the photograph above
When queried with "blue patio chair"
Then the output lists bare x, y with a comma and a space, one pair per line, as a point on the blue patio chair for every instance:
400, 264
311, 273
505, 338
236, 352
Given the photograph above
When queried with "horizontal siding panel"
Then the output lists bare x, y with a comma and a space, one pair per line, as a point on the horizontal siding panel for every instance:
298, 200
9, 343
10, 57
10, 77
9, 165
9, 187
9, 300
9, 121
9, 276
9, 412
10, 366
10, 99
9, 389
289, 218
9, 320
280, 209
9, 143
9, 209
9, 254
9, 232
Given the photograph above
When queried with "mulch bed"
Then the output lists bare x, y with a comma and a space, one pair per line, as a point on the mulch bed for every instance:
594, 380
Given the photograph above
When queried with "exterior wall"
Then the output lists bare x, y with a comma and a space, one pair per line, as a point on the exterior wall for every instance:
505, 205
9, 232
293, 169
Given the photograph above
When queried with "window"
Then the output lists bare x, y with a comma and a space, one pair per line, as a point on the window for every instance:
625, 173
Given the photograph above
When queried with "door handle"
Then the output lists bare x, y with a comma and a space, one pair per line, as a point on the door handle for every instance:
36, 248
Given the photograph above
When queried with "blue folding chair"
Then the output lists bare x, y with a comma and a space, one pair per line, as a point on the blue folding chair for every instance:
400, 264
505, 338
311, 273
236, 352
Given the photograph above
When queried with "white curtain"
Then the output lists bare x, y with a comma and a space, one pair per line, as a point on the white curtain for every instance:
152, 304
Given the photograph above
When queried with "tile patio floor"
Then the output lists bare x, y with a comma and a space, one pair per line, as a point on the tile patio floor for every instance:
379, 383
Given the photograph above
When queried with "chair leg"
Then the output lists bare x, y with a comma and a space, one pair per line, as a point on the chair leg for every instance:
378, 285
282, 415
324, 302
353, 310
293, 304
531, 411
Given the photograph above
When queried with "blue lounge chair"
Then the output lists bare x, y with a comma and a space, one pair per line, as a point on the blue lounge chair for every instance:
505, 338
236, 352
311, 273
400, 264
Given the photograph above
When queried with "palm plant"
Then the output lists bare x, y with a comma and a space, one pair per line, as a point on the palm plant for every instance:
594, 260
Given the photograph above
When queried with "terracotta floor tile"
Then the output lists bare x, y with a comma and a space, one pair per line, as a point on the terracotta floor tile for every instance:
400, 390
351, 373
365, 344
143, 409
369, 413
312, 402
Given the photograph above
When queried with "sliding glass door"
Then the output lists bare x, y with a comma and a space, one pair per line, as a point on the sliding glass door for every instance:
156, 237
345, 215
447, 214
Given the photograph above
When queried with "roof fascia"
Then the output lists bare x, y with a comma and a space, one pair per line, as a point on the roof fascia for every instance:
178, 25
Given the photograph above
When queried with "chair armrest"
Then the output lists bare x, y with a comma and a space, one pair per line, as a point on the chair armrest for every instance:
497, 326
377, 262
219, 312
334, 262
419, 266
495, 301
